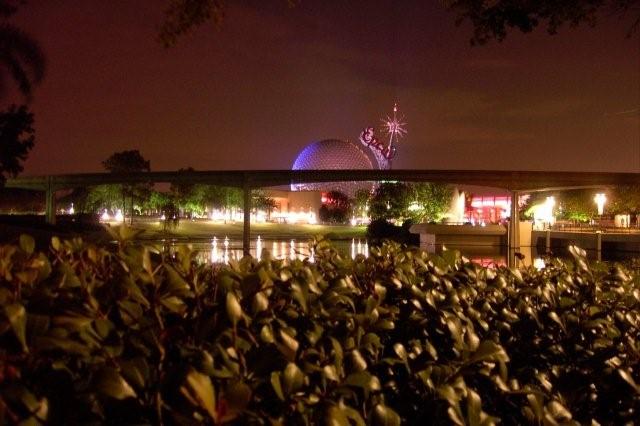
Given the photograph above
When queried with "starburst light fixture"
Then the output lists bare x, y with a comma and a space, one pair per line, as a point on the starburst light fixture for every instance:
383, 154
395, 126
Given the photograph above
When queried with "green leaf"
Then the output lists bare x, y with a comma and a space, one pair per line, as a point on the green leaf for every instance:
260, 302
234, 310
238, 395
176, 285
364, 380
109, 382
489, 351
336, 417
199, 390
293, 378
474, 408
135, 371
626, 376
56, 244
358, 363
558, 411
17, 316
288, 346
276, 385
174, 304
399, 349
330, 372
27, 244
385, 416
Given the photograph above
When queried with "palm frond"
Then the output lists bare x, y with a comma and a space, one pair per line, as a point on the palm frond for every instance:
23, 58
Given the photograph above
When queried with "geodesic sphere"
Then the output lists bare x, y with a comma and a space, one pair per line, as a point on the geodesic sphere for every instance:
332, 154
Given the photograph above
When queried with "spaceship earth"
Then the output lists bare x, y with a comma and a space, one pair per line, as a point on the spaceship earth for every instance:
332, 154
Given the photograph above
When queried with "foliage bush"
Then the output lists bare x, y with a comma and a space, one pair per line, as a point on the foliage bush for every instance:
90, 335
380, 230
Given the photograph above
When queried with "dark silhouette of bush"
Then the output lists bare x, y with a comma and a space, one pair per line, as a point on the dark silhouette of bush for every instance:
91, 335
380, 230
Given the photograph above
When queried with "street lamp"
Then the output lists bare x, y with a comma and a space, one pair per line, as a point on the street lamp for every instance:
600, 199
550, 203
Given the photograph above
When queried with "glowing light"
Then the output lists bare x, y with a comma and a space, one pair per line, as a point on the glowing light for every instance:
274, 249
119, 216
163, 217
395, 126
538, 263
312, 256
312, 218
226, 250
292, 250
414, 206
71, 209
105, 216
259, 247
215, 257
353, 248
600, 199
551, 201
353, 221
543, 213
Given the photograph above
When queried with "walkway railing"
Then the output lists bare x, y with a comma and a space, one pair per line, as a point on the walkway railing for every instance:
591, 228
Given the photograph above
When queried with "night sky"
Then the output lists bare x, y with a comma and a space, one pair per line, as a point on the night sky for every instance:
273, 79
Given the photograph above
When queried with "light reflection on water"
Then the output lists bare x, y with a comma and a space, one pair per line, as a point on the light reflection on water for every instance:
222, 250
219, 251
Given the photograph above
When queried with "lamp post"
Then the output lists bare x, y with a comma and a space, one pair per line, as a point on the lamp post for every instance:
600, 199
550, 203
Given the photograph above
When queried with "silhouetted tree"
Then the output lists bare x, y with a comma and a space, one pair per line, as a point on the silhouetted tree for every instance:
575, 205
493, 19
261, 201
21, 57
624, 199
130, 162
188, 196
431, 201
490, 19
360, 202
336, 209
182, 16
390, 201
16, 140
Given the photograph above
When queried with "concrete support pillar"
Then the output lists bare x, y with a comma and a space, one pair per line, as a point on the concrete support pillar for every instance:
50, 203
548, 241
599, 245
246, 233
514, 229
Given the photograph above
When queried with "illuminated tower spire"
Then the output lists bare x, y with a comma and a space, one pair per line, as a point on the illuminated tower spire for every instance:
395, 127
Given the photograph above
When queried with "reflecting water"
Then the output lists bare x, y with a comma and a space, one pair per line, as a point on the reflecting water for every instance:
221, 250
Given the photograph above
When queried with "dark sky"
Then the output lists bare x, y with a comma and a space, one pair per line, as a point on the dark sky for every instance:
273, 79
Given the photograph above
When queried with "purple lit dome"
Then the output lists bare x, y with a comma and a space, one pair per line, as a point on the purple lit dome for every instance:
332, 154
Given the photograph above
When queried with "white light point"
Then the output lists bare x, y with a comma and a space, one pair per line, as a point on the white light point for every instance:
259, 247
395, 126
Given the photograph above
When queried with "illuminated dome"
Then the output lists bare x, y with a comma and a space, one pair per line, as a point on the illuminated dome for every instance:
332, 154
